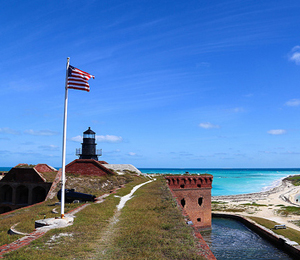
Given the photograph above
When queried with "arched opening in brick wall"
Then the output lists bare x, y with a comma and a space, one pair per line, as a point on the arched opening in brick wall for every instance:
182, 202
38, 194
200, 201
6, 193
199, 219
22, 195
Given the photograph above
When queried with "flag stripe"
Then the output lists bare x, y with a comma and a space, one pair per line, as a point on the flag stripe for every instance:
86, 88
78, 79
77, 84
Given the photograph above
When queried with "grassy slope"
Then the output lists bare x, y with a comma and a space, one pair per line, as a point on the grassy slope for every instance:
292, 234
150, 227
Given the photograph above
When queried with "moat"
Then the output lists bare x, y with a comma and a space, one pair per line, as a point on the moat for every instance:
230, 239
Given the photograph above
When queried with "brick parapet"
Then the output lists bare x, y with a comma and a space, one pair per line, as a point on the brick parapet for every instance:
189, 182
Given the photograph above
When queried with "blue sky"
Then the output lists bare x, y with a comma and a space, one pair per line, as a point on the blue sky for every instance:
177, 83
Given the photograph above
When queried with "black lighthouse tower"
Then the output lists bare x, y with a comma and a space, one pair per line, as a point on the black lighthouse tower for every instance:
88, 150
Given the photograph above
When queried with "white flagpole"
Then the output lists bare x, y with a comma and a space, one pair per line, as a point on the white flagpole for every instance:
63, 175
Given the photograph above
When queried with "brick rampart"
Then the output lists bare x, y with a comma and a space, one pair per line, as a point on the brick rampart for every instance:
42, 167
193, 194
87, 167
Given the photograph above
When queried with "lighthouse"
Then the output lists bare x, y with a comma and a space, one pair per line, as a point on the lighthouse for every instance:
88, 150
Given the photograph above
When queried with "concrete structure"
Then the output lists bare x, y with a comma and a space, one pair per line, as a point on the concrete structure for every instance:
123, 168
24, 185
87, 167
193, 194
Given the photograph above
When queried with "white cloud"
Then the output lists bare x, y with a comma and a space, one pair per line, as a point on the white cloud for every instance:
208, 125
41, 132
77, 139
293, 102
7, 130
132, 154
277, 132
101, 139
50, 147
295, 55
109, 139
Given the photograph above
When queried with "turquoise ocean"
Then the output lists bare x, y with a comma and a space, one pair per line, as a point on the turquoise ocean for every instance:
230, 181
234, 181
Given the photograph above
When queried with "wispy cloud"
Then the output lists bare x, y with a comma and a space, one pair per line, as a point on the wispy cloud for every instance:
7, 130
101, 139
237, 110
294, 55
109, 139
277, 132
293, 102
77, 139
208, 125
41, 132
50, 147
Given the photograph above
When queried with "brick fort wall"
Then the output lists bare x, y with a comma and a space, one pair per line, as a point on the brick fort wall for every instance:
193, 194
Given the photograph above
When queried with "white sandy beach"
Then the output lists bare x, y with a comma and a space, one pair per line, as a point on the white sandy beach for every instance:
283, 194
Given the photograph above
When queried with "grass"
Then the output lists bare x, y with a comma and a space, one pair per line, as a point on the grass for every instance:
49, 176
26, 218
288, 210
79, 243
254, 204
292, 234
81, 235
152, 227
219, 202
294, 179
96, 185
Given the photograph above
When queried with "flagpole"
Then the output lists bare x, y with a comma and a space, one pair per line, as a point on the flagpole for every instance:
63, 175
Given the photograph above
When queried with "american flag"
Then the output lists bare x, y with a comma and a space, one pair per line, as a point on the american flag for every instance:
78, 79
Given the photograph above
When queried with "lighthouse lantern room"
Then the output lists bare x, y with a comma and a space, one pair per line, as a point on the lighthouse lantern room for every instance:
88, 150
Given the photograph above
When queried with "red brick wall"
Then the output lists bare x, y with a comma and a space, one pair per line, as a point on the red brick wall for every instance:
87, 167
193, 193
43, 168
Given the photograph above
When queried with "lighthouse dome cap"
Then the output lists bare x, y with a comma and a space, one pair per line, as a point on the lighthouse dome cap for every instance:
89, 132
